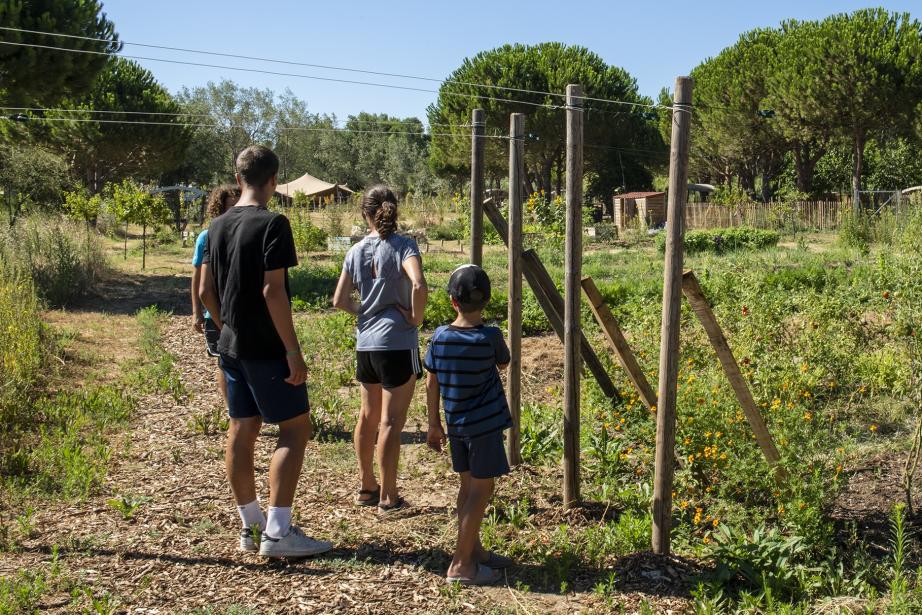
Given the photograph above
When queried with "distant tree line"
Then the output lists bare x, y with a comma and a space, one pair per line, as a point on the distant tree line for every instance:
811, 107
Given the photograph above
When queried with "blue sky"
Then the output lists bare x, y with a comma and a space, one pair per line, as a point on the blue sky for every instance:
654, 41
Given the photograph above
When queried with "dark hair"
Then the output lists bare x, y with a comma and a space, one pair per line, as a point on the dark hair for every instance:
380, 204
257, 164
218, 198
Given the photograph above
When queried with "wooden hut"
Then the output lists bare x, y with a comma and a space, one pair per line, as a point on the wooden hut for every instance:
648, 207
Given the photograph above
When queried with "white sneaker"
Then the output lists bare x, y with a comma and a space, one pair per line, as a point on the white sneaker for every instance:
293, 544
247, 540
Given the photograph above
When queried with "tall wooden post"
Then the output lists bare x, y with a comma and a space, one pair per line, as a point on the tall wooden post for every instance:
477, 142
514, 374
672, 304
573, 259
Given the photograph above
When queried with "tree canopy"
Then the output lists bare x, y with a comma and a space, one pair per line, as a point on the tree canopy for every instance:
611, 131
35, 76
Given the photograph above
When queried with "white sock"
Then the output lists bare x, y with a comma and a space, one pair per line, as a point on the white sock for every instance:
279, 521
251, 514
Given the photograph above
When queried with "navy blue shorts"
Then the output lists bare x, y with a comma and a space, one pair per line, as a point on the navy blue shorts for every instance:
257, 387
483, 456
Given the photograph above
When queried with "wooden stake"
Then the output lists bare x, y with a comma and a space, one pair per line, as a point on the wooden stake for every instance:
612, 331
572, 367
672, 304
542, 285
705, 315
477, 142
514, 374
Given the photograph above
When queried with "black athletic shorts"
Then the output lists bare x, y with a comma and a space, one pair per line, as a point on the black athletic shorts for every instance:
389, 368
212, 334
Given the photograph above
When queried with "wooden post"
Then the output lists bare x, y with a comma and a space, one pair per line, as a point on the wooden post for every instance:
514, 374
550, 300
612, 331
672, 304
718, 340
572, 334
477, 142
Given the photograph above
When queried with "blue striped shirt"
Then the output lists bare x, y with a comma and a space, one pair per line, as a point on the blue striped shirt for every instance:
464, 361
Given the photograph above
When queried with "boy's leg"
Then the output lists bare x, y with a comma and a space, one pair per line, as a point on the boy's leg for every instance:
238, 458
480, 554
394, 405
366, 432
470, 516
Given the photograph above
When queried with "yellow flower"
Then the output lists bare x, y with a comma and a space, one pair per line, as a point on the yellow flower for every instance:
715, 522
691, 459
873, 427
808, 416
804, 368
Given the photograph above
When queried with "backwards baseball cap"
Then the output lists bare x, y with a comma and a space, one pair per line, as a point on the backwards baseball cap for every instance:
469, 285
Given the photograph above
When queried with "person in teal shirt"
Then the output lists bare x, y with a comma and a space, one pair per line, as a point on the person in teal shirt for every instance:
221, 199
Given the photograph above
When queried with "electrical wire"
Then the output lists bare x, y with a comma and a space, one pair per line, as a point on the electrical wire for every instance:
283, 74
326, 67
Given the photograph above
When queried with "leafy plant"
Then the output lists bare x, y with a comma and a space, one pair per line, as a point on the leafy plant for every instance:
127, 505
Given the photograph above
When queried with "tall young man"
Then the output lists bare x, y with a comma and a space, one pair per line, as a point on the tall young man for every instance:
245, 288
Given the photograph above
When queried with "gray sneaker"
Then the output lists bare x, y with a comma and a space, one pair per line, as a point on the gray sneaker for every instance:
247, 540
293, 544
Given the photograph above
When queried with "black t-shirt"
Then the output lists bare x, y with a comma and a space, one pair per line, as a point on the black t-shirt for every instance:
243, 244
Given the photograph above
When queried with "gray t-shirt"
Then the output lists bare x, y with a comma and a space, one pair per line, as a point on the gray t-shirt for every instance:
376, 268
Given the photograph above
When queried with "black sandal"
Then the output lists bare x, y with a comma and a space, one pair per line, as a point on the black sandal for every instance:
389, 509
374, 496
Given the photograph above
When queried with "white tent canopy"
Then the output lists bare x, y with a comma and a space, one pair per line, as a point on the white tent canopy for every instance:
312, 187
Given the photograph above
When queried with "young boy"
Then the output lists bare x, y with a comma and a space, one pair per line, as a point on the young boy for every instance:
245, 287
463, 361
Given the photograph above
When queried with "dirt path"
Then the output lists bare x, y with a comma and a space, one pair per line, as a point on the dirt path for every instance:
178, 552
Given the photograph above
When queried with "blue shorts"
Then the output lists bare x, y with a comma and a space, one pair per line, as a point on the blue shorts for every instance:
257, 387
483, 456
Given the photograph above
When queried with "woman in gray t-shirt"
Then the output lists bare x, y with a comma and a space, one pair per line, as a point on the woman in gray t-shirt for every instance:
386, 270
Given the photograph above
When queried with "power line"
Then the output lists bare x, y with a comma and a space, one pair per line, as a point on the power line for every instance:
283, 74
204, 125
330, 67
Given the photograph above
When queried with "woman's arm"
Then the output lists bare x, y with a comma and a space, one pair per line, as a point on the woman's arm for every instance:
413, 267
342, 298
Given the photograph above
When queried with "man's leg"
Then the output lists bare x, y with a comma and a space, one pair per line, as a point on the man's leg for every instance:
284, 472
394, 405
366, 432
470, 516
238, 462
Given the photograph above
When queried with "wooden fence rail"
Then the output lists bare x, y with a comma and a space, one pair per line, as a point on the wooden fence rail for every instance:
800, 216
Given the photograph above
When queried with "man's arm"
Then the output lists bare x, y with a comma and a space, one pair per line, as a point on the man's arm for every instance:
209, 295
342, 298
197, 319
413, 267
280, 311
435, 437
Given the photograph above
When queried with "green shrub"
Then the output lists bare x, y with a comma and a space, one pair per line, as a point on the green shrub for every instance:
312, 285
22, 349
454, 229
308, 236
721, 241
63, 258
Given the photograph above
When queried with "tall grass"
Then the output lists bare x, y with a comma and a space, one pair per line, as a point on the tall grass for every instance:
63, 258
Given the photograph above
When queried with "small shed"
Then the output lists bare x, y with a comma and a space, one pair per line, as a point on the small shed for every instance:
649, 207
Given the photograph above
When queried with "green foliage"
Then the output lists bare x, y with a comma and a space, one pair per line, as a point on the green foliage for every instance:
78, 204
32, 177
127, 505
53, 253
545, 67
855, 231
721, 241
453, 229
62, 74
158, 372
103, 153
540, 434
312, 286
23, 349
308, 237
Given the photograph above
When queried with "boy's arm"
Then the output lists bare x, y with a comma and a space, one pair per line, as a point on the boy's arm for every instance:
280, 311
435, 437
197, 318
209, 295
503, 356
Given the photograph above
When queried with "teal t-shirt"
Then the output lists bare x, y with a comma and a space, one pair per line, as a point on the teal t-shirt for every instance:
198, 255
